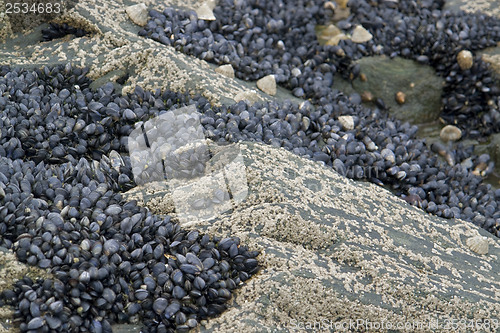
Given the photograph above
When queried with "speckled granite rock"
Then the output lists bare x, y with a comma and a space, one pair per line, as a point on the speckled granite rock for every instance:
335, 249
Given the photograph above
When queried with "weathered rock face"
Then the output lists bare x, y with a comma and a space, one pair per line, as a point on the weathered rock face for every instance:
334, 249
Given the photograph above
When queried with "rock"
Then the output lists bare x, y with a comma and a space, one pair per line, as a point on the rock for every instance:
361, 35
385, 77
336, 247
450, 133
267, 84
347, 122
205, 12
249, 95
492, 148
138, 14
226, 70
465, 59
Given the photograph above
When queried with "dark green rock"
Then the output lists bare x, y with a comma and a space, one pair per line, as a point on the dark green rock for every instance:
385, 77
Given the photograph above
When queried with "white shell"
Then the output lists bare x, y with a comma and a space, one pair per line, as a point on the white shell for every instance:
204, 12
267, 84
361, 35
330, 31
226, 70
478, 244
249, 95
330, 5
465, 59
450, 133
347, 122
138, 14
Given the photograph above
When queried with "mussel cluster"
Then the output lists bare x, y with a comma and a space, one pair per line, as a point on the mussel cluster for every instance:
54, 31
63, 166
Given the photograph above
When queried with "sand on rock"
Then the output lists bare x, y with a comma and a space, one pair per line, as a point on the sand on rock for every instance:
12, 270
